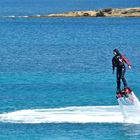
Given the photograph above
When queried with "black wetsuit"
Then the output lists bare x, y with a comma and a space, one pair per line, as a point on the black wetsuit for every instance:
118, 62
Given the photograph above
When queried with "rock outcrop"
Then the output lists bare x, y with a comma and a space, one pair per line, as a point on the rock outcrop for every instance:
108, 12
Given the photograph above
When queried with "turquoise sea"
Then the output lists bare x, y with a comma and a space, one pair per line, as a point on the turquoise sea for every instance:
55, 68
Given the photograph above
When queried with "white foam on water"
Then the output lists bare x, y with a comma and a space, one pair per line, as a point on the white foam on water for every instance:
130, 112
77, 114
14, 17
85, 114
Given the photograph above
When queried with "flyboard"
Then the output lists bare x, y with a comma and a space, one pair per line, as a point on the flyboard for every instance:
129, 104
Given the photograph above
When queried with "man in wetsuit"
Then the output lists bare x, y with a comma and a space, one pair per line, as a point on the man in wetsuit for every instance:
119, 61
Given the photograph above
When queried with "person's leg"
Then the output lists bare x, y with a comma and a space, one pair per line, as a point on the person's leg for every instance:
123, 78
118, 72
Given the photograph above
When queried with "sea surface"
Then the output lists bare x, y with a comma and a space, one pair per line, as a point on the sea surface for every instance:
58, 66
34, 7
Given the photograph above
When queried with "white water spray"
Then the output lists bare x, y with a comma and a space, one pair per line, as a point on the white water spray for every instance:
81, 114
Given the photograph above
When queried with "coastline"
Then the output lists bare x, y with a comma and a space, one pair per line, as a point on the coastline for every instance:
107, 12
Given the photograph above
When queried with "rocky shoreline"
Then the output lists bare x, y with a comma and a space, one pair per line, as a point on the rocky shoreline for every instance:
108, 12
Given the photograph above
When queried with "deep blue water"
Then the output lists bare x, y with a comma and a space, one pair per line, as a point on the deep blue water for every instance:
51, 63
58, 62
69, 132
64, 61
33, 7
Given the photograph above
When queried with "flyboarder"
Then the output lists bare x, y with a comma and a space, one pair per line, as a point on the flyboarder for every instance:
118, 62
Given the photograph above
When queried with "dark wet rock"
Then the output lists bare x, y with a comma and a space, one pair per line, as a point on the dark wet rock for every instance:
107, 10
86, 14
124, 12
100, 14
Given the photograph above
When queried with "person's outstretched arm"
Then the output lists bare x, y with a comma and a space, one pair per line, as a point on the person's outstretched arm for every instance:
126, 61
